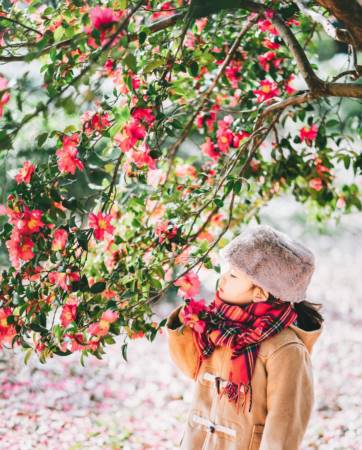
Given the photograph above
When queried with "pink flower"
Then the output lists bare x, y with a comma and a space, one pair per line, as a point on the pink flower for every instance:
93, 121
190, 315
101, 328
316, 183
7, 331
25, 173
68, 161
20, 248
63, 279
341, 202
271, 44
60, 239
308, 134
208, 149
155, 177
143, 114
100, 222
130, 135
102, 18
141, 157
110, 316
267, 26
68, 315
268, 89
29, 222
165, 230
189, 284
288, 87
5, 96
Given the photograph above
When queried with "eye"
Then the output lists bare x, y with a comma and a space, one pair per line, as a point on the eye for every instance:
233, 275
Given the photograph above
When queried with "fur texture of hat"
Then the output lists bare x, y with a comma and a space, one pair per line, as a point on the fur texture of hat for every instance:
273, 260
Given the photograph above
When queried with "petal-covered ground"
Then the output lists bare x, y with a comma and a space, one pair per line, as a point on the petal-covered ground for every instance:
142, 404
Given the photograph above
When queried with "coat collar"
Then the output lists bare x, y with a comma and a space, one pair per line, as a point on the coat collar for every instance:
309, 338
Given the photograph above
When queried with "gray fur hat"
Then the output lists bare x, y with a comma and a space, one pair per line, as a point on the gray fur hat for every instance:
273, 260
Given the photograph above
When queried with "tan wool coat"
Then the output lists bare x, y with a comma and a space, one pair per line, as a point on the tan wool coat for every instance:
282, 392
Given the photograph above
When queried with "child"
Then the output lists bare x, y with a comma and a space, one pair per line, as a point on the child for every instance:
253, 342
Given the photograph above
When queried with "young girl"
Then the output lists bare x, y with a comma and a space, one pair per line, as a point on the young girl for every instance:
250, 347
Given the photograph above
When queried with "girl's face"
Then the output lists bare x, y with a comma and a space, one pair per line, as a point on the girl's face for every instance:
235, 287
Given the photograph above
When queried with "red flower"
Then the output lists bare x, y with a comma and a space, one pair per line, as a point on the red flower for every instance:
60, 239
102, 18
101, 224
189, 284
268, 89
141, 157
271, 44
268, 58
31, 221
165, 230
101, 328
131, 134
190, 315
5, 96
25, 173
68, 315
308, 134
143, 114
7, 331
63, 279
316, 183
208, 149
94, 121
20, 248
288, 87
266, 26
68, 162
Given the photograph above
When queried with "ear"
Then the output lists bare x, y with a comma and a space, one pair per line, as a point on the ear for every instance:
259, 294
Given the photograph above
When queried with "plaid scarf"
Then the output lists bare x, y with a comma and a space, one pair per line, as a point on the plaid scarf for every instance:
243, 328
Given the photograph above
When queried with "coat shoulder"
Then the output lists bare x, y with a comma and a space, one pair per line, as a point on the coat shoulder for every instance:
271, 345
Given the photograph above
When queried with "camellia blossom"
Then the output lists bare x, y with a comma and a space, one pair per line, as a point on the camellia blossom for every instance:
5, 96
68, 161
165, 230
155, 177
102, 18
316, 184
189, 284
94, 121
268, 89
208, 149
63, 279
101, 328
308, 134
100, 223
7, 331
25, 173
190, 315
68, 314
20, 248
60, 239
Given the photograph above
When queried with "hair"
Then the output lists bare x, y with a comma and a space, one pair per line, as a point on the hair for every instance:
309, 317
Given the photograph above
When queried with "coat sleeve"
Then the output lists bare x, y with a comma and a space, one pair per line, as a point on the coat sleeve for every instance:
290, 397
181, 345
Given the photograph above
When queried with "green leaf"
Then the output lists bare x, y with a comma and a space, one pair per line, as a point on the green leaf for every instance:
96, 288
58, 34
28, 354
122, 116
124, 351
131, 62
154, 64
